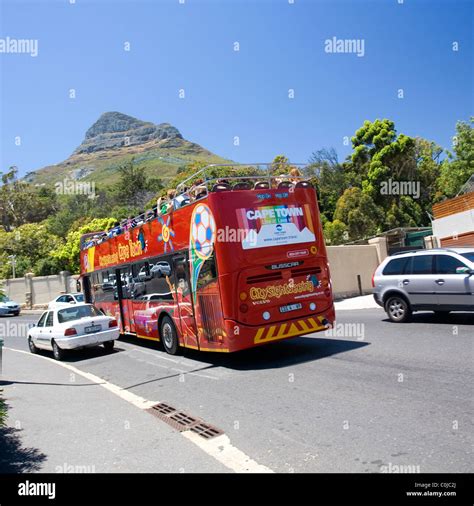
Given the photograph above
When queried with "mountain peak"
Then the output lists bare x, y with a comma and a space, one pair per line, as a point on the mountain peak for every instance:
115, 130
110, 122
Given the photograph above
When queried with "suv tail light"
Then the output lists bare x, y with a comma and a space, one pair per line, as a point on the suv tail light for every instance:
113, 323
70, 332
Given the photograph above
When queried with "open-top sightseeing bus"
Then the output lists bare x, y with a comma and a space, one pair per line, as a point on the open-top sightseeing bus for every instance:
242, 265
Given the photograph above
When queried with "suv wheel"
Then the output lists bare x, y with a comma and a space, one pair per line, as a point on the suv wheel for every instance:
398, 309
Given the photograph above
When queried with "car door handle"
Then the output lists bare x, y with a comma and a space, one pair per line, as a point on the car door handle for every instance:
405, 281
439, 281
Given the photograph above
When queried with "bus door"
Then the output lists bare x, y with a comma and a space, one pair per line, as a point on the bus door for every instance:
125, 291
184, 300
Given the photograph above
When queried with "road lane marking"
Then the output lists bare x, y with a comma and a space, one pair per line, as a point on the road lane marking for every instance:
219, 448
134, 399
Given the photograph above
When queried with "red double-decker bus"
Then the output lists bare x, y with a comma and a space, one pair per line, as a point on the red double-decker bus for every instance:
238, 264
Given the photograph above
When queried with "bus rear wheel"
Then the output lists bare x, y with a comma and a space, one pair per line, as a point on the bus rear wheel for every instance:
168, 336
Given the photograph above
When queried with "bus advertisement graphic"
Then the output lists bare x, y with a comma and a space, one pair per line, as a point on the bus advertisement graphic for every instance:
276, 225
201, 240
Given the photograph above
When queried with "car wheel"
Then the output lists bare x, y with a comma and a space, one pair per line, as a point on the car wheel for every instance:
398, 309
109, 345
58, 353
16, 314
168, 336
31, 345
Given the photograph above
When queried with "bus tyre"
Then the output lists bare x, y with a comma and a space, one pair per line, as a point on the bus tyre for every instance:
58, 353
168, 336
398, 309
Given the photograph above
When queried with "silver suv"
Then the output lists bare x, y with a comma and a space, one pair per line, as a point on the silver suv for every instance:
439, 280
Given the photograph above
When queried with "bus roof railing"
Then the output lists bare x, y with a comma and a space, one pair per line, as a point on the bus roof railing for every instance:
271, 173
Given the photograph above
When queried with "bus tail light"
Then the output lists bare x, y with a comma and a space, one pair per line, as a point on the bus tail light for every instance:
244, 308
113, 323
70, 332
327, 292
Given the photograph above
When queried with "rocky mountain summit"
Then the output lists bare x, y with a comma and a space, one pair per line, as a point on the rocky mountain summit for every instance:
116, 138
116, 130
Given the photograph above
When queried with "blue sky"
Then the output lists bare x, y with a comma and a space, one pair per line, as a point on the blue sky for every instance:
231, 93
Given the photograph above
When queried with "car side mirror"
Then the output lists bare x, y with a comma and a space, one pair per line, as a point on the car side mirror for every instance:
464, 270
78, 285
72, 302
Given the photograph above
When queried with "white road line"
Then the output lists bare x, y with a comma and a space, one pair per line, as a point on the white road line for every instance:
222, 450
134, 399
219, 448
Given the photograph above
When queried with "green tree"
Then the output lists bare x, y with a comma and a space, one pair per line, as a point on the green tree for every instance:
458, 168
21, 203
31, 245
280, 165
134, 187
68, 253
329, 179
359, 213
335, 232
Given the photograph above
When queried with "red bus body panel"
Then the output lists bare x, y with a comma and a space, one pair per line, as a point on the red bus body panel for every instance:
272, 285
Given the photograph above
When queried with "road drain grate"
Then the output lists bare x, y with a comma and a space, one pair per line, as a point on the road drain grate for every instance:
163, 408
206, 431
181, 421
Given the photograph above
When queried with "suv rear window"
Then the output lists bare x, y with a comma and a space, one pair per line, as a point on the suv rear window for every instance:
422, 264
396, 266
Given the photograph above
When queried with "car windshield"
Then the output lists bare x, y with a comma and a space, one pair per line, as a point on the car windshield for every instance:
76, 313
79, 297
469, 256
4, 298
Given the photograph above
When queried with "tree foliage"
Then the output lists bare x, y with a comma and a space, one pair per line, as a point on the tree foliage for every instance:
68, 253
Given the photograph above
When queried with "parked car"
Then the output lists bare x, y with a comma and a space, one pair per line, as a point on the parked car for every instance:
8, 306
66, 300
160, 269
72, 328
439, 280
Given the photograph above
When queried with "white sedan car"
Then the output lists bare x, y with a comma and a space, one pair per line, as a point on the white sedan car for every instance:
71, 328
66, 300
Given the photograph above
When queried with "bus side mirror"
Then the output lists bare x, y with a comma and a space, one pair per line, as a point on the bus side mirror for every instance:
78, 285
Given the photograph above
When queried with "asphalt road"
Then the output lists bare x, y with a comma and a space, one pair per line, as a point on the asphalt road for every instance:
373, 394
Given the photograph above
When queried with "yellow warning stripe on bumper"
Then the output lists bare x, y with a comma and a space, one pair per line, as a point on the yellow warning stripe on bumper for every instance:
266, 334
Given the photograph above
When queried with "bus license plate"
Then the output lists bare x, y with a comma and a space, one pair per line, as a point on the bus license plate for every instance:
92, 329
290, 307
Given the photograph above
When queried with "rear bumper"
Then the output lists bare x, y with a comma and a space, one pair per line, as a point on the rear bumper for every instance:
73, 343
378, 299
240, 337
